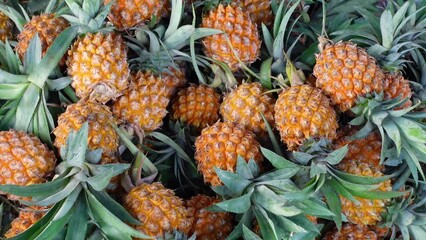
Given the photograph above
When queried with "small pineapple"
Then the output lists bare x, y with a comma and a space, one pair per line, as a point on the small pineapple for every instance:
101, 132
6, 27
239, 30
351, 231
126, 14
197, 106
208, 225
144, 103
395, 85
24, 160
345, 72
245, 106
27, 217
260, 10
158, 209
220, 145
303, 112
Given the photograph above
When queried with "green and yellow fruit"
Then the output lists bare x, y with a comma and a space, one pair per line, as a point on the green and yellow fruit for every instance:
6, 27
27, 217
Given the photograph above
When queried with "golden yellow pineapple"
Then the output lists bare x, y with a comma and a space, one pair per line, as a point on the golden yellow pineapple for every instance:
6, 27
48, 26
144, 103
129, 13
238, 29
101, 133
158, 209
245, 106
351, 231
24, 160
395, 85
220, 145
174, 78
97, 64
303, 112
345, 71
208, 225
27, 217
260, 10
197, 106
366, 211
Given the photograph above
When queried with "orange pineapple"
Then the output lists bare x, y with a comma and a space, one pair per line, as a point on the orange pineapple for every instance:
220, 145
260, 10
303, 112
6, 27
197, 106
174, 78
27, 217
395, 85
245, 106
238, 29
351, 231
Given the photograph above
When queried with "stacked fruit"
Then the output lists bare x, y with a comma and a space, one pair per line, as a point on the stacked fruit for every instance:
163, 119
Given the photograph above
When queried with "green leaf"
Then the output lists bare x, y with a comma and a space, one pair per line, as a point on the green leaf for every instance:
35, 190
333, 202
285, 225
177, 8
363, 180
12, 91
273, 203
376, 194
245, 220
77, 226
278, 161
234, 182
165, 139
33, 55
336, 156
249, 235
179, 36
243, 168
53, 228
58, 84
314, 208
77, 146
411, 130
68, 203
60, 195
265, 73
280, 174
236, 205
100, 181
27, 108
266, 225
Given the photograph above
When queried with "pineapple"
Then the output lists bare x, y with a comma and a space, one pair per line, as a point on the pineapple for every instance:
240, 36
158, 209
303, 112
197, 106
101, 133
174, 78
27, 217
345, 71
395, 85
205, 224
144, 103
351, 231
245, 106
220, 145
97, 61
260, 10
6, 27
24, 160
126, 14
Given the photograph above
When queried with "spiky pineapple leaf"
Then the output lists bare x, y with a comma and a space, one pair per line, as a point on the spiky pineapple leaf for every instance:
276, 160
68, 203
35, 190
235, 205
77, 225
233, 181
333, 202
271, 202
249, 235
266, 225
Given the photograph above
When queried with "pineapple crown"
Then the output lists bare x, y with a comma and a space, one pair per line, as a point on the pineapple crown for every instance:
403, 132
77, 195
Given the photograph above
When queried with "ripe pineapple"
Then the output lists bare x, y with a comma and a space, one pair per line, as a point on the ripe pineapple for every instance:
345, 71
303, 112
220, 145
260, 10
197, 106
158, 209
126, 14
145, 102
48, 26
27, 217
101, 133
208, 225
6, 27
395, 85
245, 106
174, 78
239, 29
351, 231
24, 160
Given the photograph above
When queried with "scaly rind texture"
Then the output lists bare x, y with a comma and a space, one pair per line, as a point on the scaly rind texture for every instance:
260, 10
345, 71
197, 106
239, 29
101, 133
205, 224
395, 85
144, 103
367, 211
24, 160
174, 79
220, 145
129, 13
6, 27
27, 217
351, 231
98, 66
158, 209
245, 106
47, 26
303, 112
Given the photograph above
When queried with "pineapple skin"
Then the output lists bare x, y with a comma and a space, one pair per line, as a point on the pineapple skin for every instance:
6, 27
208, 225
27, 217
395, 85
241, 31
260, 10
345, 72
302, 112
220, 145
351, 231
97, 64
24, 160
197, 106
158, 209
245, 106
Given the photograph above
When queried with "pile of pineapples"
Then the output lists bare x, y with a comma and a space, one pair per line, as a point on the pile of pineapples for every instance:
218, 119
